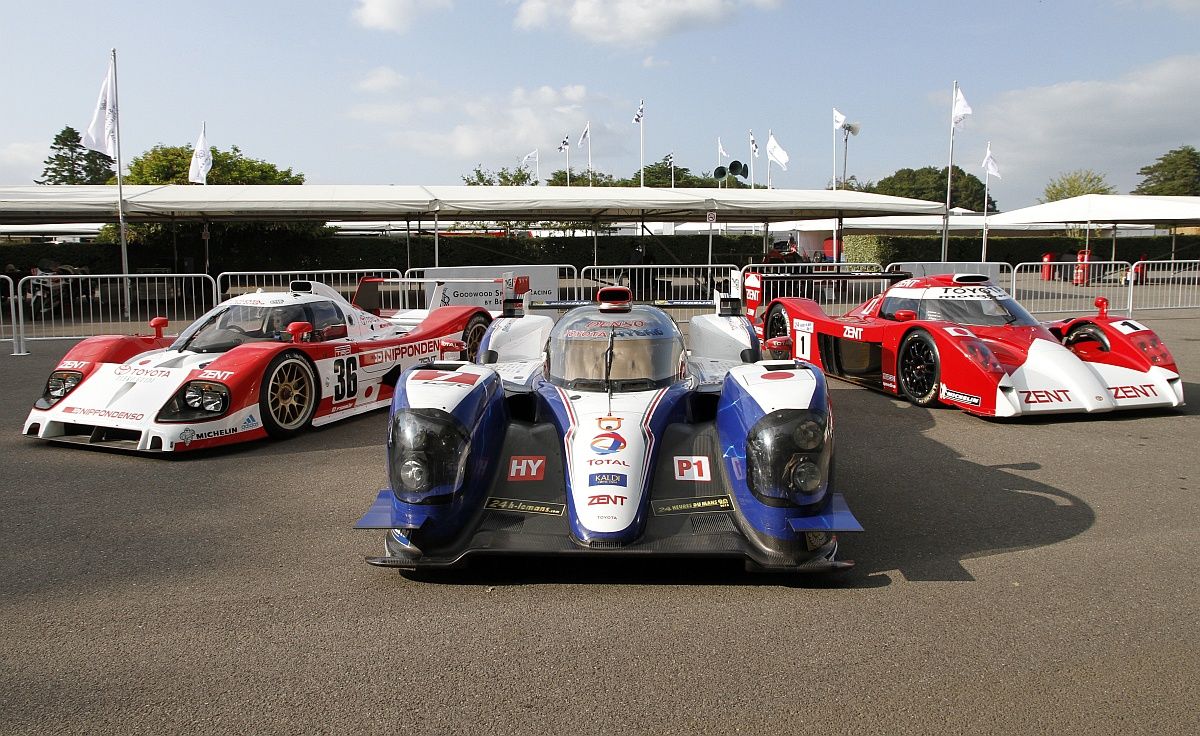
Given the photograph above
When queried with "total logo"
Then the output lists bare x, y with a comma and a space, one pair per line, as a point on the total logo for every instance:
608, 443
607, 462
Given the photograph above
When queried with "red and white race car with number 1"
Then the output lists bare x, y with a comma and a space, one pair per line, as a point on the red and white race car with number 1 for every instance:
256, 365
960, 340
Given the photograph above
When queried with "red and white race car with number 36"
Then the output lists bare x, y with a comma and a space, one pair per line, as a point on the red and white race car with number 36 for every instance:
256, 365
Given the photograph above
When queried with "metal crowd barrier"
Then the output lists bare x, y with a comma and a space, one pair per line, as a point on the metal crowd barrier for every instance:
660, 283
8, 312
834, 296
345, 281
54, 306
1072, 287
1164, 284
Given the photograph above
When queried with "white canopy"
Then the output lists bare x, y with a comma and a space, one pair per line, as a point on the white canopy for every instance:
61, 204
1106, 208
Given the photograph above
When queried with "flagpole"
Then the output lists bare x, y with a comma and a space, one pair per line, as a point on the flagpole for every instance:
950, 178
537, 165
567, 150
120, 185
752, 159
835, 186
987, 175
589, 130
642, 143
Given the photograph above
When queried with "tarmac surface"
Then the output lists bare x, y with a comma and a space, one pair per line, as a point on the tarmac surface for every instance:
1032, 576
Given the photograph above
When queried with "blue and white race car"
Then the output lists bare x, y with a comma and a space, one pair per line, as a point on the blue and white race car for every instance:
602, 435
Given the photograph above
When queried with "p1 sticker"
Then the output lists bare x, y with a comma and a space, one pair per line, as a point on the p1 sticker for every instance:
693, 467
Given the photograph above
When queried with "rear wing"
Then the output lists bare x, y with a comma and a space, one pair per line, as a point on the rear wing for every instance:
368, 295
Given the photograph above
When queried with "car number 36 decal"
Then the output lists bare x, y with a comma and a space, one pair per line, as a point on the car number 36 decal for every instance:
345, 371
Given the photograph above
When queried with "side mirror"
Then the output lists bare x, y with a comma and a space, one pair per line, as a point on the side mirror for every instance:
334, 332
1102, 305
450, 345
904, 315
298, 330
159, 324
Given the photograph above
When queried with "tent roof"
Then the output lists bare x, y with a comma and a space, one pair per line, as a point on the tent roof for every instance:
61, 204
1106, 208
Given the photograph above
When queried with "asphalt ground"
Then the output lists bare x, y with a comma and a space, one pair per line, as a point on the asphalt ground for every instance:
1033, 576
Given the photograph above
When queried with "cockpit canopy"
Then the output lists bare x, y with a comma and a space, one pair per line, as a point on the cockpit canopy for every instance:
977, 304
638, 350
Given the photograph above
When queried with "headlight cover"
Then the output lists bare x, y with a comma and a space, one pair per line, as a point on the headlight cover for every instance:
196, 401
788, 454
427, 455
58, 385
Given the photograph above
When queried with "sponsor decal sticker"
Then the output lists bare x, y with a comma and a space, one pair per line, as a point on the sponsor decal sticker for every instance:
609, 424
525, 507
607, 461
852, 333
605, 499
1146, 390
607, 443
341, 350
105, 413
130, 374
959, 396
526, 467
216, 375
189, 435
249, 423
698, 505
399, 352
341, 407
967, 292
608, 479
889, 379
802, 325
1046, 396
73, 365
693, 467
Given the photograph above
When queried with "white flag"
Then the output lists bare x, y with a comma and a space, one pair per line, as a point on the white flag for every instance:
753, 145
531, 154
587, 129
566, 143
775, 152
838, 119
721, 149
989, 163
671, 158
961, 109
641, 113
201, 159
101, 135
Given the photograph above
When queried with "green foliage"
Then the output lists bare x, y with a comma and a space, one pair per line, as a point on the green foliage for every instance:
1175, 173
170, 164
929, 183
518, 177
70, 163
1076, 184
869, 249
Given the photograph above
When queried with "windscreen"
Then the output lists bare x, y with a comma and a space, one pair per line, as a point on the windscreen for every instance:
635, 351
984, 306
231, 325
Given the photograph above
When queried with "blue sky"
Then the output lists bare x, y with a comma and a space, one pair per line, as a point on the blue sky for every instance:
420, 91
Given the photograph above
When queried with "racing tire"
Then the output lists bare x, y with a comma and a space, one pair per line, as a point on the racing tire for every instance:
1087, 333
918, 369
288, 397
473, 336
776, 324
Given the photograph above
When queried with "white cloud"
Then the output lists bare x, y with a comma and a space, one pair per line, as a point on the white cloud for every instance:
650, 62
1113, 127
395, 15
382, 79
630, 21
21, 163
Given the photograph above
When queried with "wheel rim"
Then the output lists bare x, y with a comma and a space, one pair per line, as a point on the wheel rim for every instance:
776, 327
472, 338
918, 368
289, 394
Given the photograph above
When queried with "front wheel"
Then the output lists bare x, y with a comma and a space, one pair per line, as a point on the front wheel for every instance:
918, 370
776, 325
288, 396
473, 336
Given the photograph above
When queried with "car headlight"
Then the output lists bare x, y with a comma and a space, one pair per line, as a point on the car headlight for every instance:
427, 455
196, 401
788, 454
58, 385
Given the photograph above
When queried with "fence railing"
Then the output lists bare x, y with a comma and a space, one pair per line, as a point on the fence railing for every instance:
8, 310
345, 281
52, 306
1164, 284
547, 281
834, 296
1071, 287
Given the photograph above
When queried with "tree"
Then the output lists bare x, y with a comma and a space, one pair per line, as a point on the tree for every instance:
1175, 173
1075, 184
170, 164
70, 163
929, 183
505, 177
